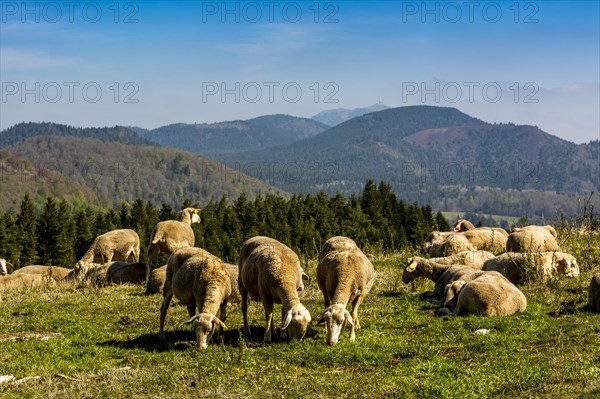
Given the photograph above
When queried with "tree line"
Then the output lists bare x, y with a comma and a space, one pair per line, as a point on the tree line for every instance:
377, 220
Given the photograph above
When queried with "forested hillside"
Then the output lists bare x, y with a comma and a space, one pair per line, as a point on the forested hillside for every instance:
59, 234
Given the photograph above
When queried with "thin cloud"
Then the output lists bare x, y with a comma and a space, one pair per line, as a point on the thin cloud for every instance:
15, 60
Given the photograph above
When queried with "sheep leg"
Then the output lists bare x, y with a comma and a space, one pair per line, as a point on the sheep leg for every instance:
167, 295
355, 304
244, 295
268, 320
191, 308
223, 316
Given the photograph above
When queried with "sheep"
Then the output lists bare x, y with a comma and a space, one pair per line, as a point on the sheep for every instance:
157, 280
594, 293
200, 281
21, 280
123, 245
233, 271
465, 225
439, 244
3, 266
520, 267
56, 273
343, 273
490, 294
170, 235
474, 259
271, 271
109, 273
532, 239
440, 274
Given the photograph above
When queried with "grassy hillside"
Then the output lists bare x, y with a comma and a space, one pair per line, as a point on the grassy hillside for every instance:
19, 176
117, 172
443, 157
216, 139
110, 348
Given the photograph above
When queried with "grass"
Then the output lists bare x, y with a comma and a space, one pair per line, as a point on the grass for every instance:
110, 347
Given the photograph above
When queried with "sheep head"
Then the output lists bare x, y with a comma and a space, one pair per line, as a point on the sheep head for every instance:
79, 271
295, 323
204, 324
567, 265
334, 318
450, 292
412, 271
3, 269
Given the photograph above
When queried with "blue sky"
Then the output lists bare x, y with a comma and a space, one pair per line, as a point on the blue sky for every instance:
154, 63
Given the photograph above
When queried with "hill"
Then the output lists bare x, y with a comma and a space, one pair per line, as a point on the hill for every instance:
336, 116
216, 139
19, 176
119, 172
23, 131
443, 157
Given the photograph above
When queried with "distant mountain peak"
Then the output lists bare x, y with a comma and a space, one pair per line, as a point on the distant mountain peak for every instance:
336, 116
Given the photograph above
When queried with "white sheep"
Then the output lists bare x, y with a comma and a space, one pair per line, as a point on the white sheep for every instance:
12, 281
56, 273
532, 239
271, 271
440, 274
170, 235
344, 273
201, 281
490, 294
440, 244
594, 293
520, 267
3, 267
115, 245
474, 259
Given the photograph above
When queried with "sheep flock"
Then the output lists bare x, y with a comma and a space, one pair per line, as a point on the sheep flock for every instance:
475, 270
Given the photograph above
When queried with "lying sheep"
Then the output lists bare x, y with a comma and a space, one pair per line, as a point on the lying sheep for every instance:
202, 282
532, 239
109, 273
445, 244
520, 267
474, 259
490, 294
465, 225
156, 282
343, 273
116, 245
170, 235
56, 273
594, 293
13, 281
440, 274
271, 271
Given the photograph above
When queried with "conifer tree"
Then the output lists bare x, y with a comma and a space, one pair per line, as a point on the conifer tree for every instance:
27, 232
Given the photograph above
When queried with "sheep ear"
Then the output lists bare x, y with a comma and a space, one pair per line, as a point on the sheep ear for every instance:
322, 319
287, 321
215, 319
348, 317
191, 320
411, 267
305, 277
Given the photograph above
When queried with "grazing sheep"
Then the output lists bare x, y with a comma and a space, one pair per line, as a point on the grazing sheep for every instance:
202, 282
56, 273
157, 280
123, 245
343, 273
532, 239
12, 281
170, 235
271, 271
520, 267
490, 294
594, 293
474, 259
